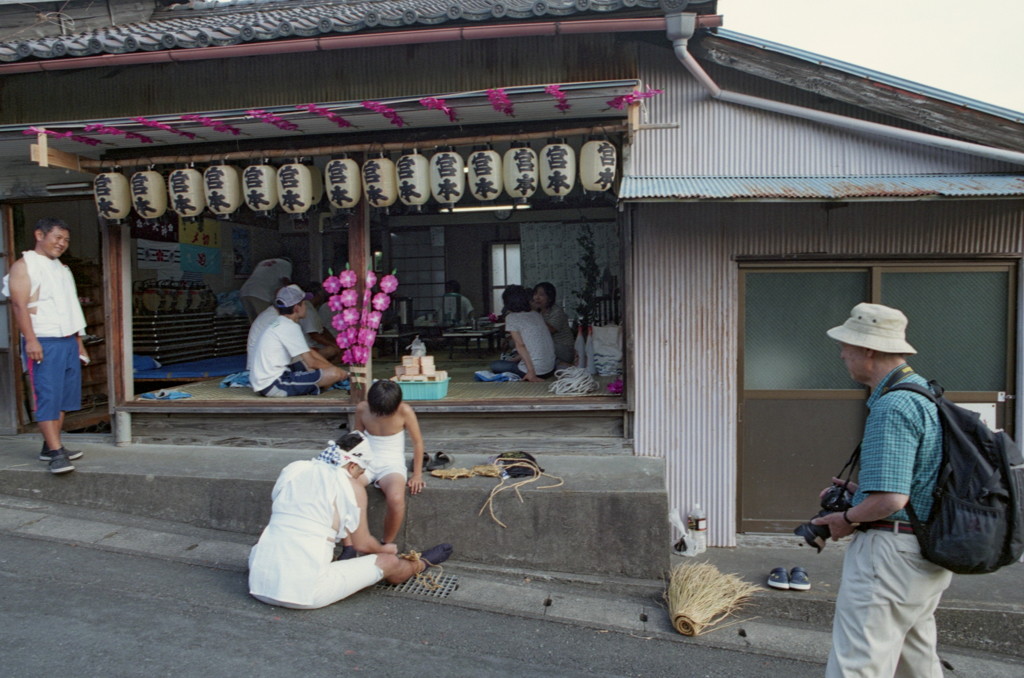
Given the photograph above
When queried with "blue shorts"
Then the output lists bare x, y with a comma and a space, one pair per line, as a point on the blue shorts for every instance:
295, 381
57, 379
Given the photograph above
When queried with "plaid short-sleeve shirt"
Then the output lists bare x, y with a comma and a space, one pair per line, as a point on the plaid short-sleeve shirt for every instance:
902, 446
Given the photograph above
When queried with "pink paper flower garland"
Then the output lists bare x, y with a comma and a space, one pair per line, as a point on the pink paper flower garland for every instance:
167, 128
386, 111
500, 102
357, 327
563, 101
63, 135
106, 129
319, 110
440, 105
621, 102
213, 124
272, 119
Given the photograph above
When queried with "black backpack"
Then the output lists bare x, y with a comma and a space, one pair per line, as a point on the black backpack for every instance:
976, 524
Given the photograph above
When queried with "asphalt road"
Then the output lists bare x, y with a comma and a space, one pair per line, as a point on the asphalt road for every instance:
86, 612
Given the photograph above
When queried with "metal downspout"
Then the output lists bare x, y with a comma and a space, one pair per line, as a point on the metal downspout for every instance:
680, 28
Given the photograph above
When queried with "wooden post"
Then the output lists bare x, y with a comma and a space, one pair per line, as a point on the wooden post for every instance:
113, 237
360, 261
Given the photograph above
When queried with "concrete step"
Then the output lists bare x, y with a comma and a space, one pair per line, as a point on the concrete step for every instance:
604, 517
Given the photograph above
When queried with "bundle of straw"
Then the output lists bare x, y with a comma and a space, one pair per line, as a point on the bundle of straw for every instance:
699, 596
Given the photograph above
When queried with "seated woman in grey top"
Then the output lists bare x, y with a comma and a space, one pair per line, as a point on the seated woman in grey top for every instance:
558, 323
529, 334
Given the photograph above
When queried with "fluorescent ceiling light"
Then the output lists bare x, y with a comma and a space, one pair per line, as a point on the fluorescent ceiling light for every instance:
77, 186
486, 208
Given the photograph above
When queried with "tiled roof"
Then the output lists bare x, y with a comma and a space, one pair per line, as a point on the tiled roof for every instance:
818, 188
208, 23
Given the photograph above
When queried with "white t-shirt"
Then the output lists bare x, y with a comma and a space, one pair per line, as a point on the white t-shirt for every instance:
266, 317
278, 347
265, 280
297, 545
456, 309
311, 323
53, 297
537, 338
327, 317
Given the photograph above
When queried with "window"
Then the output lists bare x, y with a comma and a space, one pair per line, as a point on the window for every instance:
505, 271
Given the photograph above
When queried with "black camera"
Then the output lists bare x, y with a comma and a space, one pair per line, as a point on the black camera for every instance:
836, 499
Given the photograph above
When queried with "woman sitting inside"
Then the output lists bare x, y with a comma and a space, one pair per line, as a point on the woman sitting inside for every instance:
529, 334
556, 320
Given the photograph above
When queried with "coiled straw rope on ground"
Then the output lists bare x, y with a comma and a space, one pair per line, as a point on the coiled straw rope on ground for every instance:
699, 596
573, 380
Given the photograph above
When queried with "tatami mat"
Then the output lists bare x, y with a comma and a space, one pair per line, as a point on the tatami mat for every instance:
457, 391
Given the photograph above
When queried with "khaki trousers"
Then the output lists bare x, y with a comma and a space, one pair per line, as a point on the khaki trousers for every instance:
884, 623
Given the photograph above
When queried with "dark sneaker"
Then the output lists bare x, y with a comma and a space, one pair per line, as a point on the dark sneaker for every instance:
48, 455
798, 579
779, 578
60, 464
437, 554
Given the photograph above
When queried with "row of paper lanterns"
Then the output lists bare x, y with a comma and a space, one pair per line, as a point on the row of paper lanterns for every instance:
411, 180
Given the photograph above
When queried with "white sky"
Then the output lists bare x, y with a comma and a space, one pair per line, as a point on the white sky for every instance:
974, 49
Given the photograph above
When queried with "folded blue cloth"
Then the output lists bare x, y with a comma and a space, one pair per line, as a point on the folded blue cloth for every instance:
166, 395
236, 380
343, 385
487, 375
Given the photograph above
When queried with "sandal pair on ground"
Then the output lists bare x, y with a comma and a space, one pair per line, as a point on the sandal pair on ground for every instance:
795, 579
441, 460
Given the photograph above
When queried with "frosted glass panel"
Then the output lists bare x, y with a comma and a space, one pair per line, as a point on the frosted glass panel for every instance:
498, 265
786, 317
512, 262
958, 324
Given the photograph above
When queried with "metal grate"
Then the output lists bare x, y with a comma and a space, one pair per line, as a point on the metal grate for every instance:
445, 583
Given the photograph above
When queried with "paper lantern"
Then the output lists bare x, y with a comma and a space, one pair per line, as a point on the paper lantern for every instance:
413, 173
185, 187
222, 186
149, 194
520, 172
342, 180
295, 187
113, 199
380, 182
598, 162
557, 168
260, 187
485, 173
447, 178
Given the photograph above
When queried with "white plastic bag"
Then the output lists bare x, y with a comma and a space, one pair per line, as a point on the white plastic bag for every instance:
581, 349
417, 348
607, 350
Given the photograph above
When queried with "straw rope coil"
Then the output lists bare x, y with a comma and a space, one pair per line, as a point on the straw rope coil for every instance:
573, 381
501, 487
429, 581
699, 596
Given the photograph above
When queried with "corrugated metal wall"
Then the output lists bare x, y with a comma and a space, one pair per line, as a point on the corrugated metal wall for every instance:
686, 308
720, 139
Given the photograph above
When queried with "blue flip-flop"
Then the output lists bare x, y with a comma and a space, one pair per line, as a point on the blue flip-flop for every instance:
798, 579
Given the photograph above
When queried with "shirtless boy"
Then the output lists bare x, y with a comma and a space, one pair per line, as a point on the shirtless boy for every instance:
385, 419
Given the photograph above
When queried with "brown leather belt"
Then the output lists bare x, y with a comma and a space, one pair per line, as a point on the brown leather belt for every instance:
897, 526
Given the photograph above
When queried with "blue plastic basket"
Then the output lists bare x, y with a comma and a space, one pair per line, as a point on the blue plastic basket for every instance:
424, 390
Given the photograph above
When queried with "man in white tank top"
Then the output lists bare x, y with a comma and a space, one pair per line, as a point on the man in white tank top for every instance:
46, 308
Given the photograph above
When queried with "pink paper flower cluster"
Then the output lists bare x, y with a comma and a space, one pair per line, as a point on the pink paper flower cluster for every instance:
167, 128
563, 102
440, 105
386, 111
106, 129
211, 123
63, 135
320, 110
500, 101
615, 387
272, 119
357, 326
621, 102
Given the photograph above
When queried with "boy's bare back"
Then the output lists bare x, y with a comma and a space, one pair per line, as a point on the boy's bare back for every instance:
383, 425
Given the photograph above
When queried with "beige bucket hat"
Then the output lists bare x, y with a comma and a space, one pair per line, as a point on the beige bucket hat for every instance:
874, 326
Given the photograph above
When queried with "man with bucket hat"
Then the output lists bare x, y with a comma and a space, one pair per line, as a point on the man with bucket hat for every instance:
317, 503
884, 622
